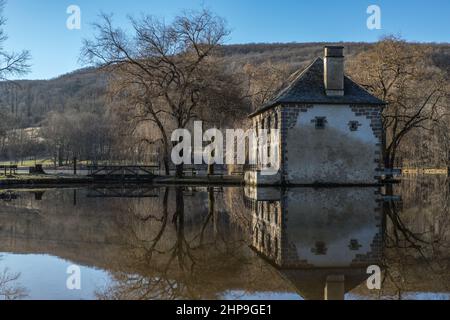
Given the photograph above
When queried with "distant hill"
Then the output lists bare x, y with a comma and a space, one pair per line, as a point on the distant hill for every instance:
85, 89
294, 54
31, 100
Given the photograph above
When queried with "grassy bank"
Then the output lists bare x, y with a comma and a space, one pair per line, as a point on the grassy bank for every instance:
28, 180
27, 163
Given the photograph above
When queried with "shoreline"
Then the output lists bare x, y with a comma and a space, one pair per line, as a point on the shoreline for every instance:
37, 181
53, 181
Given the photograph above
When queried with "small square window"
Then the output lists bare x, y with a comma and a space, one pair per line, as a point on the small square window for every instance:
354, 245
320, 122
354, 125
320, 249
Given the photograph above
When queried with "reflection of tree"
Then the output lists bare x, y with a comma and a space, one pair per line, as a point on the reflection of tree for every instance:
139, 286
9, 288
400, 235
175, 259
416, 254
181, 249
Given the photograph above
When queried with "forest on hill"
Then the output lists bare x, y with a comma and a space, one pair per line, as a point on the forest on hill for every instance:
85, 90
80, 114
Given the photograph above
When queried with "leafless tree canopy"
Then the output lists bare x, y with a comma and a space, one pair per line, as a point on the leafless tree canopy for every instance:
160, 76
163, 69
11, 63
10, 289
264, 80
404, 76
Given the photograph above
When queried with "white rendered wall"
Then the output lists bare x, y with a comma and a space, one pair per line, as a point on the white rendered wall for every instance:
334, 154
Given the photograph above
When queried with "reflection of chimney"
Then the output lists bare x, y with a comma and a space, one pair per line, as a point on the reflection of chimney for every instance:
334, 71
335, 287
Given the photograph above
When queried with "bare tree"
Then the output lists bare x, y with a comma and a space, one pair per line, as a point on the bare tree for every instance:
263, 81
162, 68
225, 100
9, 288
404, 77
83, 135
11, 63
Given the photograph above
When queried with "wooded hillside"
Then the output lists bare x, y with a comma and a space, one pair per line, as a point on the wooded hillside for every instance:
83, 94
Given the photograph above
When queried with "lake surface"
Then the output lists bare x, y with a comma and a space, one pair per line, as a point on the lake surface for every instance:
226, 243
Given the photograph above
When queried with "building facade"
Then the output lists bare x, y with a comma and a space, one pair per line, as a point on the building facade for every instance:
330, 128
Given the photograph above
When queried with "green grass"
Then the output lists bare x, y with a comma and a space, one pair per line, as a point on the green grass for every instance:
26, 177
36, 179
28, 163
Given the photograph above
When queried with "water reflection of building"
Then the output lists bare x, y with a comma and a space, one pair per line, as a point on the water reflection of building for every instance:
321, 240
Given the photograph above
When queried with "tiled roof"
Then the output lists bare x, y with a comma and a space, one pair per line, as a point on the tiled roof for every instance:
308, 87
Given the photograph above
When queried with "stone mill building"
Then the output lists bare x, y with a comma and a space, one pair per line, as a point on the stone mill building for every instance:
330, 128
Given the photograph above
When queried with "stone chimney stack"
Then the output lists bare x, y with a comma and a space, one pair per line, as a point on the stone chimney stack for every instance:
334, 71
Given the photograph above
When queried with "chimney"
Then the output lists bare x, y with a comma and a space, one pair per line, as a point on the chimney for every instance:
334, 71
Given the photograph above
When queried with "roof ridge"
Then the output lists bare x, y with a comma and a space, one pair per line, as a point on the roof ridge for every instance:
307, 86
295, 80
307, 68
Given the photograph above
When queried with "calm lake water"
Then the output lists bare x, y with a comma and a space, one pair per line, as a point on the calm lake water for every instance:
226, 243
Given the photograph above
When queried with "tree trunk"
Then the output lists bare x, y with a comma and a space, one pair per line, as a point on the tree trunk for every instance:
166, 165
179, 171
60, 157
178, 217
165, 149
388, 165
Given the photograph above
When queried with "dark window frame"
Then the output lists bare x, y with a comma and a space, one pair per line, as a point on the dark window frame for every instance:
354, 125
320, 122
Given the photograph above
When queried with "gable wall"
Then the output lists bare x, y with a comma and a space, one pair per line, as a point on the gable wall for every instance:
335, 154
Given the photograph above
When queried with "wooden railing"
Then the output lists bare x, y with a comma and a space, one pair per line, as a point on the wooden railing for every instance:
122, 171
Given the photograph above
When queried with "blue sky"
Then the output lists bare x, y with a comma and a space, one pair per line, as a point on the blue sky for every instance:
40, 25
